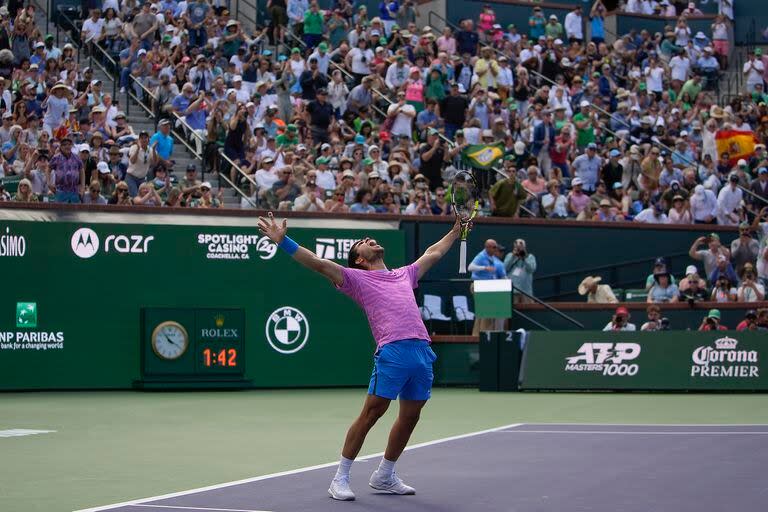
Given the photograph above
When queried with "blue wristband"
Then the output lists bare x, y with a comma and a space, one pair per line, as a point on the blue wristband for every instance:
288, 246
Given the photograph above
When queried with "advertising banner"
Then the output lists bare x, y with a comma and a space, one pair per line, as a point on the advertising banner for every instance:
670, 360
70, 310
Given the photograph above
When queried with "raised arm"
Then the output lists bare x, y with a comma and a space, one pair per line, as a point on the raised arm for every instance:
436, 251
276, 233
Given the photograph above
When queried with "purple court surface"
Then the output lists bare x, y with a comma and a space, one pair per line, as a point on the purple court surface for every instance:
526, 468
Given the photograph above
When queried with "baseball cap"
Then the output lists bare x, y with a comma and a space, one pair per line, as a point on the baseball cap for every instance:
102, 167
591, 145
519, 147
762, 170
615, 152
584, 103
714, 313
690, 270
621, 310
206, 184
576, 181
359, 139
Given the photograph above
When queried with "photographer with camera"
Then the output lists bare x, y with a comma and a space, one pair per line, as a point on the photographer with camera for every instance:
712, 322
749, 323
750, 290
620, 321
520, 266
655, 321
692, 287
723, 291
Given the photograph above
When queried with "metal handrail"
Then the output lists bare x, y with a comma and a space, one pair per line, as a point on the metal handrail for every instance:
237, 167
106, 55
235, 187
347, 74
592, 270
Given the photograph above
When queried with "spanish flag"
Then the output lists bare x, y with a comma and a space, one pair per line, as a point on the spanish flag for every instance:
483, 156
738, 144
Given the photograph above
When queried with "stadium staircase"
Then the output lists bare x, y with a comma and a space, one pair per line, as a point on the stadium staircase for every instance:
138, 114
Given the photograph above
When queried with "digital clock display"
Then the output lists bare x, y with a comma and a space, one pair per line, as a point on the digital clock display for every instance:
224, 357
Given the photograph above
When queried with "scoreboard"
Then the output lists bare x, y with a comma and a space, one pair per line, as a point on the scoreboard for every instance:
192, 348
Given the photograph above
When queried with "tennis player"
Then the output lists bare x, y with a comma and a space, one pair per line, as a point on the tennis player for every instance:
402, 364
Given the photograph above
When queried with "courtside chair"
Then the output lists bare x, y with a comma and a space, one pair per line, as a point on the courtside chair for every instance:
461, 311
433, 310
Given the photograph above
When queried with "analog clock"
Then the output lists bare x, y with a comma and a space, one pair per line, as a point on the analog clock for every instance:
170, 340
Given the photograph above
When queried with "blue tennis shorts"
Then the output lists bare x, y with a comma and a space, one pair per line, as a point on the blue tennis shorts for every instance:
403, 368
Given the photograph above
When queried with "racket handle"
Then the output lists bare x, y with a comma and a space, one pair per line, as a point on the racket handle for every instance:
463, 257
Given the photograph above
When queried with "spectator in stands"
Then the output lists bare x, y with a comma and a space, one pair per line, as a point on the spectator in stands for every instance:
620, 321
744, 249
723, 268
68, 174
723, 290
520, 266
750, 290
692, 287
596, 292
663, 290
655, 322
712, 322
729, 202
749, 323
506, 196
710, 255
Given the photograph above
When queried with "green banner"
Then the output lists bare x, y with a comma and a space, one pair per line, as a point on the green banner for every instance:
671, 360
73, 294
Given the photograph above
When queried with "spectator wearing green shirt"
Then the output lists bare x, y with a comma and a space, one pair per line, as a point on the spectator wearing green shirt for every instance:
313, 26
536, 24
554, 28
290, 137
232, 39
692, 86
506, 197
585, 130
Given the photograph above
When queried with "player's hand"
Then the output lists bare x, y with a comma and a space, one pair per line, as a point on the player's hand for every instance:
271, 229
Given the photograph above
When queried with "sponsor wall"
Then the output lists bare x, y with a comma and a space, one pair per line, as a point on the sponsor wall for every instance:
70, 311
682, 360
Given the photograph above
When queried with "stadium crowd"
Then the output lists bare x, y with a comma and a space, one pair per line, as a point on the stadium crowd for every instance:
349, 111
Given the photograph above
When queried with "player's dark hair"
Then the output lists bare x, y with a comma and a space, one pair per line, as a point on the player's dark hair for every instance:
352, 258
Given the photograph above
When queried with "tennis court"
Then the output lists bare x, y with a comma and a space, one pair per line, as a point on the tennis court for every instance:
530, 467
276, 451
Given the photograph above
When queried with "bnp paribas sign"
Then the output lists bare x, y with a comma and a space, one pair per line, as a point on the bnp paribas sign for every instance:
27, 335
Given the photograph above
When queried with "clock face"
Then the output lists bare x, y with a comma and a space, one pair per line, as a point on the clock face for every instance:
170, 340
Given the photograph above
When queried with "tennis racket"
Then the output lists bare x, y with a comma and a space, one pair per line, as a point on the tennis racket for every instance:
465, 199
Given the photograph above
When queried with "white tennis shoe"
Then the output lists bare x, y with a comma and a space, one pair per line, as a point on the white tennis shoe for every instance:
392, 484
340, 490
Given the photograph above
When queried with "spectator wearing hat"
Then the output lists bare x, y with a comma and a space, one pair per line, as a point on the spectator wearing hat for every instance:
704, 206
612, 172
596, 293
162, 143
467, 39
206, 199
453, 109
319, 116
620, 321
692, 287
711, 322
749, 323
680, 212
520, 265
724, 268
663, 290
586, 167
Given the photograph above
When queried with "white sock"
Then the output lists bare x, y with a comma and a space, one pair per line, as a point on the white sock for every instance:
344, 466
386, 467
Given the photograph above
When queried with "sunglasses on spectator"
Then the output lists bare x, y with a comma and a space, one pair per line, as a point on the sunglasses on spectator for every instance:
94, 190
440, 195
122, 190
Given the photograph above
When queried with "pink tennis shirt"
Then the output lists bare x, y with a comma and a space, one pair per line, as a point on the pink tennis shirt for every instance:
387, 298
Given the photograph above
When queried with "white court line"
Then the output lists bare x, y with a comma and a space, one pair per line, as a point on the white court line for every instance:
636, 432
287, 473
199, 508
669, 425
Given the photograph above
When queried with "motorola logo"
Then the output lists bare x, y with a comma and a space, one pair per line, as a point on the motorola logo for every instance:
85, 243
